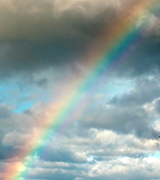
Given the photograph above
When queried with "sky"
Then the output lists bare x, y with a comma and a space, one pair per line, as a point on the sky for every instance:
79, 89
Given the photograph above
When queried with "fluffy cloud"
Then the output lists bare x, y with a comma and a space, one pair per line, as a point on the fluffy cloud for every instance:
99, 155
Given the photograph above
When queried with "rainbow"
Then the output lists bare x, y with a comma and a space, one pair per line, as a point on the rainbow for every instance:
113, 46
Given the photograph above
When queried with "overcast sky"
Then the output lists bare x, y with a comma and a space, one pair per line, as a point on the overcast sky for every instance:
112, 130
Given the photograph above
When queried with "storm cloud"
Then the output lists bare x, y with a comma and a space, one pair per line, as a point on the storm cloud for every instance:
37, 34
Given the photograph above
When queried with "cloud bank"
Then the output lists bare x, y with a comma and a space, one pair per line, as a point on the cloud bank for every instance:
37, 34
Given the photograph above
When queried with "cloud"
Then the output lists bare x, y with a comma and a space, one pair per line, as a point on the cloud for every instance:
126, 112
36, 20
36, 35
57, 155
121, 153
10, 139
145, 90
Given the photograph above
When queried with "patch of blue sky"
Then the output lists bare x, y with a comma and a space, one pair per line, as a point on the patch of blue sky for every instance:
20, 99
156, 155
1, 92
118, 86
26, 105
152, 124
107, 90
1, 87
7, 91
114, 86
91, 158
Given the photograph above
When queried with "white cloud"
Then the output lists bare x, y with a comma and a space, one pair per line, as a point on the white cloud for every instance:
150, 107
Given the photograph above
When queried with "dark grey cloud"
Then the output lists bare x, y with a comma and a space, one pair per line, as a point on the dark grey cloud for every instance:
143, 58
38, 34
49, 19
6, 153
